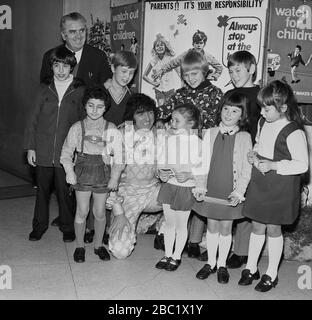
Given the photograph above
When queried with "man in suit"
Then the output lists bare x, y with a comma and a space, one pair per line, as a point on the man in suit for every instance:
92, 64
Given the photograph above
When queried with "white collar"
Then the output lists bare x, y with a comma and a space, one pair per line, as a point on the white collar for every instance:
228, 130
77, 53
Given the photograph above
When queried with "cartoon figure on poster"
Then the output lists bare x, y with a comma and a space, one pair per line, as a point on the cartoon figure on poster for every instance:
199, 41
295, 59
134, 48
165, 84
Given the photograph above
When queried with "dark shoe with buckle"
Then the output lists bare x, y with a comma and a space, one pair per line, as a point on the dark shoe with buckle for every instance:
235, 261
161, 264
88, 236
173, 264
69, 236
266, 283
102, 253
55, 222
203, 256
36, 235
248, 277
79, 255
205, 272
105, 238
193, 250
159, 242
223, 275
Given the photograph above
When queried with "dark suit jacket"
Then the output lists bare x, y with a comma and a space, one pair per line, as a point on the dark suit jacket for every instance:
93, 67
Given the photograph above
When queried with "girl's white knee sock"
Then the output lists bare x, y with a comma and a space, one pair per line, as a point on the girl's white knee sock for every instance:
275, 248
256, 243
224, 248
212, 246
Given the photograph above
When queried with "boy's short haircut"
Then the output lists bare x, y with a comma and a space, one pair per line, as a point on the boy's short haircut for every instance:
199, 36
63, 55
194, 60
74, 16
96, 92
244, 57
299, 47
124, 59
139, 103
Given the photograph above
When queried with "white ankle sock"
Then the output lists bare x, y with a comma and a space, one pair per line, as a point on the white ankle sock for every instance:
224, 248
212, 246
275, 248
256, 243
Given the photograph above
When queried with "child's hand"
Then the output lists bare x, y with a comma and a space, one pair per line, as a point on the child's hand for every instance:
120, 222
156, 83
71, 178
265, 166
31, 157
235, 198
157, 74
163, 175
199, 194
183, 176
112, 184
252, 157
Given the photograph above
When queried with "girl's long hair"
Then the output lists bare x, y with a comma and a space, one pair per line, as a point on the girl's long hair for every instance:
277, 93
168, 51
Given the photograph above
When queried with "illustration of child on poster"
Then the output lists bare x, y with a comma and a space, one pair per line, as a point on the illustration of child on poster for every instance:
164, 85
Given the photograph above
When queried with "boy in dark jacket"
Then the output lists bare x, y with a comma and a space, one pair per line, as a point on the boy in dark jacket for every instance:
57, 107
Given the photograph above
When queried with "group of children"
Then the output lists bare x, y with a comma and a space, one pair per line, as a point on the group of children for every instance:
265, 176
206, 159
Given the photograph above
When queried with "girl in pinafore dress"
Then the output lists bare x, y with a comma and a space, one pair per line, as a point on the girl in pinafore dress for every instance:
94, 172
228, 178
273, 197
179, 165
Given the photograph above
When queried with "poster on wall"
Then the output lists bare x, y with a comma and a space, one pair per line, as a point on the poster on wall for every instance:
126, 30
290, 46
229, 26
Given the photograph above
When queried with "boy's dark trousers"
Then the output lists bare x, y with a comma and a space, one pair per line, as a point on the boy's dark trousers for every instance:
47, 178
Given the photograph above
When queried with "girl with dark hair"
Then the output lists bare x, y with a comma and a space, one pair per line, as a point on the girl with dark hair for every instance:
226, 148
273, 197
95, 172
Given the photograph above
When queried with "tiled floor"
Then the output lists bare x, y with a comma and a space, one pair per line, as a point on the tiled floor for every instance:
46, 270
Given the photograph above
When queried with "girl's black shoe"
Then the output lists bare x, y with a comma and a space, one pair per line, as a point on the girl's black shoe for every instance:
172, 264
205, 272
248, 277
223, 275
79, 255
162, 263
266, 283
102, 253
